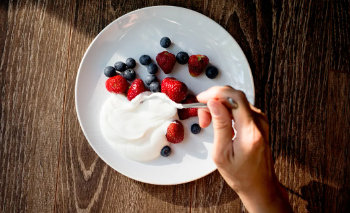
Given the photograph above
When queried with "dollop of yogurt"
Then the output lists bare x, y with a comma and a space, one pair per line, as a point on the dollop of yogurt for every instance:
137, 128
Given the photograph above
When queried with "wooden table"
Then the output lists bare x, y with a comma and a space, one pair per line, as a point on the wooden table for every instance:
299, 55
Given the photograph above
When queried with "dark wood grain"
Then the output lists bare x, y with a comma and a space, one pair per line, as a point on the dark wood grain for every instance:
299, 55
33, 69
297, 97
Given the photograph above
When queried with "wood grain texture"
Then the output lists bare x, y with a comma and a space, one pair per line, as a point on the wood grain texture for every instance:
33, 68
299, 55
303, 55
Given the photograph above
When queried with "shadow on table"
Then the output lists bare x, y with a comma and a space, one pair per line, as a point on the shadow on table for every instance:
316, 195
206, 192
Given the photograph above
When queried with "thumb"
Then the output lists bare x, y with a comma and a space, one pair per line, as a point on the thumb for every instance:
222, 124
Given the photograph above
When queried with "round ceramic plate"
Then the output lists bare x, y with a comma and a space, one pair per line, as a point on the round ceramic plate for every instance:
138, 33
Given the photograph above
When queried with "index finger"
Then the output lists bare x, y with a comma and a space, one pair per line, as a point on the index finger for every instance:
242, 114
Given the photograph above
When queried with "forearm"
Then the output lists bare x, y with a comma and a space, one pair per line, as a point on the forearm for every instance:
272, 198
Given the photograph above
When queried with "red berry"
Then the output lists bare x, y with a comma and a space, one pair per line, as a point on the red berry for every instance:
175, 132
174, 89
189, 112
166, 61
136, 88
117, 84
197, 64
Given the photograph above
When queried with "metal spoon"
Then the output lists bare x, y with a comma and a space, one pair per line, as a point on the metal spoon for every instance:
230, 103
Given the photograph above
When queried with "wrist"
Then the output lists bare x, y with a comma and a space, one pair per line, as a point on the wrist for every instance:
266, 197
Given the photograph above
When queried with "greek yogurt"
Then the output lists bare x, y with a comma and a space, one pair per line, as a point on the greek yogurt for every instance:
137, 128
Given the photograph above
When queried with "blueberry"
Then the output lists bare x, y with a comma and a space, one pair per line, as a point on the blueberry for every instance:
211, 72
129, 74
110, 71
154, 86
130, 63
195, 128
152, 68
120, 66
165, 42
145, 60
165, 152
150, 78
182, 57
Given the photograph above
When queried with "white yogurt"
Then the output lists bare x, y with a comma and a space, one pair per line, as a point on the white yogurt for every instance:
137, 128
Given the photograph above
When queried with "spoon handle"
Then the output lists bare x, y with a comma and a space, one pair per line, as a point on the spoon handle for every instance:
230, 103
194, 105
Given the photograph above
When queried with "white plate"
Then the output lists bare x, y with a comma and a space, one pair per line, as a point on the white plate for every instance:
137, 33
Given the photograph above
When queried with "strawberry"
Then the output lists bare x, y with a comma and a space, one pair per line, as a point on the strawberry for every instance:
189, 112
117, 84
197, 64
175, 132
136, 88
166, 61
174, 89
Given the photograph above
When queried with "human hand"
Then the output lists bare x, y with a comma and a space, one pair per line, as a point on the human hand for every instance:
246, 163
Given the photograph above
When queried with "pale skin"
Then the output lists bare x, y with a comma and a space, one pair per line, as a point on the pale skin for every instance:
246, 163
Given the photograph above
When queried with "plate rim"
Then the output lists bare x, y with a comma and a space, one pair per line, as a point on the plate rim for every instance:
88, 50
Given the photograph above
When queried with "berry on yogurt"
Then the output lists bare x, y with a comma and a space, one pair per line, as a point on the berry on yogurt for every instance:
135, 89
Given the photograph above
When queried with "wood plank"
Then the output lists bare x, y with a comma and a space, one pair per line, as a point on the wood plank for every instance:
3, 26
212, 194
298, 95
305, 49
33, 64
335, 183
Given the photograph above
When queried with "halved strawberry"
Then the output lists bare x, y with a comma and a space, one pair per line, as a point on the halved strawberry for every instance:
166, 61
197, 64
117, 84
174, 89
136, 88
175, 132
189, 112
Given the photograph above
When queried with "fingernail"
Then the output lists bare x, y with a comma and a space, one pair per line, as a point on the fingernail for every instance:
213, 107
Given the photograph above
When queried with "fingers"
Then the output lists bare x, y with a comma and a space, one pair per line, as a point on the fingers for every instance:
222, 125
243, 114
204, 117
259, 112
